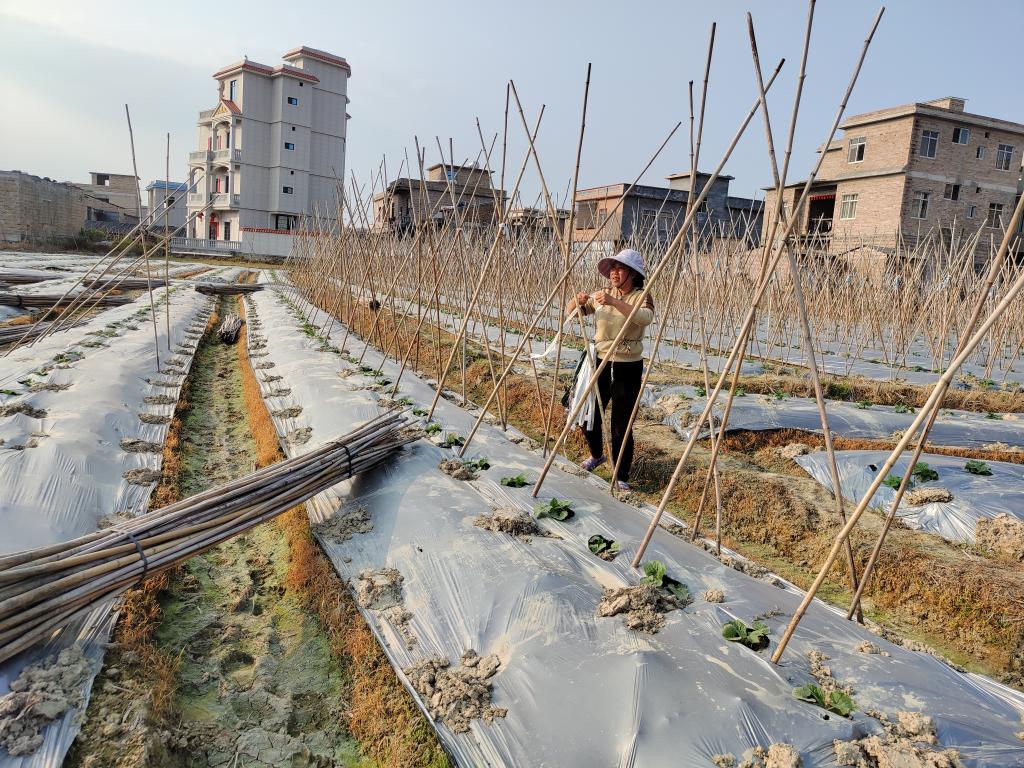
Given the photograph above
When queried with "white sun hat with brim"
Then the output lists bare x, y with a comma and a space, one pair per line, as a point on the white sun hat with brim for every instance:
627, 256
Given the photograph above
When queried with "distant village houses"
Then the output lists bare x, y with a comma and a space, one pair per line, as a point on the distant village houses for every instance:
922, 170
653, 215
405, 204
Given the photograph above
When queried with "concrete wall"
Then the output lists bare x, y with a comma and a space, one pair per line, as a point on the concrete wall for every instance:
32, 208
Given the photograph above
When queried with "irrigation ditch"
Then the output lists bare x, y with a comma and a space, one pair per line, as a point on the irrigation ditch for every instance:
957, 601
254, 652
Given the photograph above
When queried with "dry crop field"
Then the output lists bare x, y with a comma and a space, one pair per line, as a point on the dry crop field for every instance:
331, 513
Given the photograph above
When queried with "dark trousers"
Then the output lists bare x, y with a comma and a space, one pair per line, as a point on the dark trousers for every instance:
619, 386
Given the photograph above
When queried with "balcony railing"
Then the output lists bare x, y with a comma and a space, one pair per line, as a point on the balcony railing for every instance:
224, 200
200, 156
227, 156
193, 244
197, 198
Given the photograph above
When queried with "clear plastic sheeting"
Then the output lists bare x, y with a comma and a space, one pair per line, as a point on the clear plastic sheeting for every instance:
582, 690
62, 464
974, 496
755, 412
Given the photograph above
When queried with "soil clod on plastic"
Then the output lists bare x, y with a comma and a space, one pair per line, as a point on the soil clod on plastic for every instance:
457, 695
642, 606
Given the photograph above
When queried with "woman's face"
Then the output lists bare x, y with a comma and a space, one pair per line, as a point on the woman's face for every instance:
621, 276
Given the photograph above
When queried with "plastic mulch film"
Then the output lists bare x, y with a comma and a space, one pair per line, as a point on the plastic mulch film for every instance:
974, 496
62, 464
579, 689
756, 412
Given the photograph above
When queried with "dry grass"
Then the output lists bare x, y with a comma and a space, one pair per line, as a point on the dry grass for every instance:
20, 320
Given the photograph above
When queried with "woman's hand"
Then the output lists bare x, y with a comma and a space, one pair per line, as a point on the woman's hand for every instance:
580, 300
604, 298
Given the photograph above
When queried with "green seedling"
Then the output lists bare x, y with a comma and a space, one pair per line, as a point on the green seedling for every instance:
755, 637
701, 391
976, 467
515, 481
559, 510
367, 369
994, 416
864, 404
901, 408
598, 544
419, 411
452, 440
12, 392
893, 481
654, 573
741, 392
433, 428
923, 472
478, 465
833, 701
382, 382
404, 401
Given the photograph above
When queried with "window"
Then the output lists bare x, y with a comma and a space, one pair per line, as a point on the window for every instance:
227, 230
952, 192
287, 190
282, 221
848, 209
919, 208
961, 135
1003, 156
170, 200
995, 215
293, 101
289, 145
972, 211
232, 91
980, 154
856, 153
293, 127
929, 143
291, 173
301, 84
450, 175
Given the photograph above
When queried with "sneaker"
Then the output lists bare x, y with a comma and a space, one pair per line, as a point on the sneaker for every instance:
622, 485
591, 464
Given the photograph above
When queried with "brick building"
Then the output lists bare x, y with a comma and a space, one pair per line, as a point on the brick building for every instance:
657, 213
910, 172
406, 203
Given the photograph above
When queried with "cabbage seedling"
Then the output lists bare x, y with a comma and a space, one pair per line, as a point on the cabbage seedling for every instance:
419, 411
433, 428
515, 481
893, 481
976, 467
833, 701
924, 473
755, 637
452, 440
654, 573
478, 465
598, 544
559, 510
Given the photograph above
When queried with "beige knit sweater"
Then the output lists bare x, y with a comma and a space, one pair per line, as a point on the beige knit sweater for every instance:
610, 322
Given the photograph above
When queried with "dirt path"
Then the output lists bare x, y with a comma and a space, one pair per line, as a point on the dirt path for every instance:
254, 680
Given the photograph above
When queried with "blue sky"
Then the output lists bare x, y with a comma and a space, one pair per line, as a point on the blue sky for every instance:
431, 69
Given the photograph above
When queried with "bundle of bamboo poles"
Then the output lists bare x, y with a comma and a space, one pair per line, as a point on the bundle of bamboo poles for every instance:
16, 277
50, 300
228, 331
12, 333
125, 283
227, 289
45, 588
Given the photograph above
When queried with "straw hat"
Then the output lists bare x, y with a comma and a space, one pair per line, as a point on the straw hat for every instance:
629, 257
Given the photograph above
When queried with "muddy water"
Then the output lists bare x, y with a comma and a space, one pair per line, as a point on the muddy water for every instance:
256, 682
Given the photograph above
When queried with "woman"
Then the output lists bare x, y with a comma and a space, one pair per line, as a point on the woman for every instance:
619, 383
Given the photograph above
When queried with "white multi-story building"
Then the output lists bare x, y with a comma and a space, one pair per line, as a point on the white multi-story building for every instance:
271, 152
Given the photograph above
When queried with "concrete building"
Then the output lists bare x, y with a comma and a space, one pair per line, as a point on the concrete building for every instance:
537, 220
655, 214
175, 194
271, 152
113, 198
405, 204
917, 170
